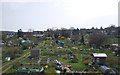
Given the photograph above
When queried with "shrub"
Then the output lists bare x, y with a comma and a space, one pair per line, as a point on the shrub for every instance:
75, 60
86, 62
16, 65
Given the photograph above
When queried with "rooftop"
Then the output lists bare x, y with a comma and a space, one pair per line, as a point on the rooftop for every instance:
99, 55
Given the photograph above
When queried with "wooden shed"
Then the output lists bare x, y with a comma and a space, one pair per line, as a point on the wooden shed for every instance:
99, 58
35, 52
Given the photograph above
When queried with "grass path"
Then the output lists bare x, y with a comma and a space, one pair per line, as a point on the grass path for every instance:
9, 65
26, 51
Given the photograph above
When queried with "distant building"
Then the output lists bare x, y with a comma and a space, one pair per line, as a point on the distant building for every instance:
35, 52
38, 34
9, 34
99, 58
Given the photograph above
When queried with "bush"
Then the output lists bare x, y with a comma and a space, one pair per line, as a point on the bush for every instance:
65, 57
75, 60
86, 62
16, 65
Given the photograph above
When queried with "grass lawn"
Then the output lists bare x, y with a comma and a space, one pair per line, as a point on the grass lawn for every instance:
50, 70
50, 51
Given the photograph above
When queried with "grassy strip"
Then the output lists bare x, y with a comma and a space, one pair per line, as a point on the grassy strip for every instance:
12, 62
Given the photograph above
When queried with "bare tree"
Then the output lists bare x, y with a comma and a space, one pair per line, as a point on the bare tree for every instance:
97, 39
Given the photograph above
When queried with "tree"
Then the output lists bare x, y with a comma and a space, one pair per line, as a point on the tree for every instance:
20, 33
76, 31
97, 39
56, 35
75, 39
92, 28
10, 51
65, 32
72, 28
82, 39
101, 28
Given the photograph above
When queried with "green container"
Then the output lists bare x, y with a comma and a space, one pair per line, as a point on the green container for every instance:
34, 70
23, 70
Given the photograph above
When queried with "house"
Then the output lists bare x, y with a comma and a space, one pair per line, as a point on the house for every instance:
35, 52
38, 34
10, 34
99, 58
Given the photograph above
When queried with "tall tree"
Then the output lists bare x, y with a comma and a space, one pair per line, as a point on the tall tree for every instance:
82, 39
20, 33
97, 39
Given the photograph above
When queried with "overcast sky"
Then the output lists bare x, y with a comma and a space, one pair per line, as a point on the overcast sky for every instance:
43, 14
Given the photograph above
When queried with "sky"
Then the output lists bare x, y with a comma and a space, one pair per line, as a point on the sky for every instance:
44, 14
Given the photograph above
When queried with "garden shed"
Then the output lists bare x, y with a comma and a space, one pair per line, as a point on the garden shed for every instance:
35, 52
99, 58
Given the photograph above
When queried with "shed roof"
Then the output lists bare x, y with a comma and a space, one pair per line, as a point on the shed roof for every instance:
99, 55
35, 49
